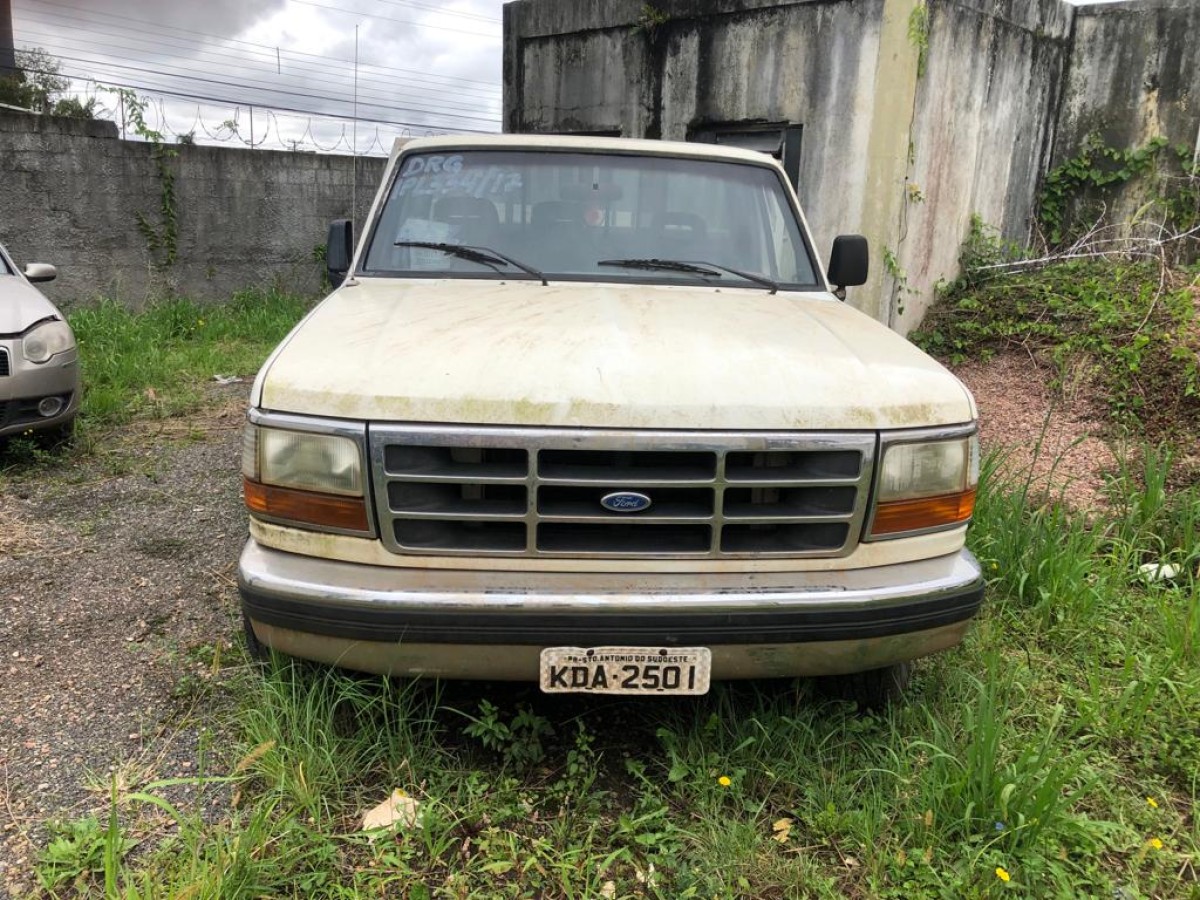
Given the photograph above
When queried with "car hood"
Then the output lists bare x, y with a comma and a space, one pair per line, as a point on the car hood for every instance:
21, 305
604, 355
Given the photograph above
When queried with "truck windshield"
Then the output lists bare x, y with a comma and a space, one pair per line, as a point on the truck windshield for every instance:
571, 215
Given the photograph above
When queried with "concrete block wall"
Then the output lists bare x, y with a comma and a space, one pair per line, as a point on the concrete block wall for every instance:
71, 192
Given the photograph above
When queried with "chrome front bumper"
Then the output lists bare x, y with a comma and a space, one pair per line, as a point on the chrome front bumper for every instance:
484, 624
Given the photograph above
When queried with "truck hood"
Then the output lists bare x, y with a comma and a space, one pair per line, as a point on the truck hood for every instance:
604, 355
21, 305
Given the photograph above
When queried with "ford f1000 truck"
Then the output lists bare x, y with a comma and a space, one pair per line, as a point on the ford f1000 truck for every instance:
591, 412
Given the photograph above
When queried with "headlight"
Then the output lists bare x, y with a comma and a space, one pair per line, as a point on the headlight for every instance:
925, 485
308, 462
304, 478
47, 340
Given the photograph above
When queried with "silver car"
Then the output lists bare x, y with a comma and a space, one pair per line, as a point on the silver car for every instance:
39, 361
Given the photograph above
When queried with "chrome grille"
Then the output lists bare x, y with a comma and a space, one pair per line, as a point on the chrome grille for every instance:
536, 492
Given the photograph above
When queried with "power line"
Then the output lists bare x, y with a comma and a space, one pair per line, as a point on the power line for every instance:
283, 91
445, 12
161, 29
264, 52
227, 101
224, 54
260, 139
249, 101
50, 41
357, 14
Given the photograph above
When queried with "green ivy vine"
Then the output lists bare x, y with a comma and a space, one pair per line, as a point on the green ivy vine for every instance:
891, 265
1096, 166
162, 240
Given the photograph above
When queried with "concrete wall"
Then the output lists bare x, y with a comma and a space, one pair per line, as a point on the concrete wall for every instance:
967, 134
1134, 75
71, 192
982, 120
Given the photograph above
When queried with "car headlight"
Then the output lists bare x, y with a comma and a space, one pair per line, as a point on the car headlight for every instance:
925, 485
47, 340
304, 478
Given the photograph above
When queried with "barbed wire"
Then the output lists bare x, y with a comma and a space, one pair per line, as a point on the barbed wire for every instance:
281, 129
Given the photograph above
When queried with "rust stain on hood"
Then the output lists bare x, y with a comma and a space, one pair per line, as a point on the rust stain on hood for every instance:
605, 355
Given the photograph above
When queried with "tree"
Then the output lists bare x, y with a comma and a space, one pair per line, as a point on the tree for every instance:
38, 85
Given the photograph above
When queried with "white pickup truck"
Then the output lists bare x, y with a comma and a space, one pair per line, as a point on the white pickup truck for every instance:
588, 412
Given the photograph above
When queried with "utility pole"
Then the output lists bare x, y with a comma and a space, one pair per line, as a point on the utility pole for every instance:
8, 60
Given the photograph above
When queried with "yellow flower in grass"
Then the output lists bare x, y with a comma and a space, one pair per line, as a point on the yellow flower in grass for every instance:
1002, 874
1152, 803
724, 781
1155, 843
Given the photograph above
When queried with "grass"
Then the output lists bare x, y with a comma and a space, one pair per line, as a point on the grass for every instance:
161, 362
157, 363
1125, 329
1055, 754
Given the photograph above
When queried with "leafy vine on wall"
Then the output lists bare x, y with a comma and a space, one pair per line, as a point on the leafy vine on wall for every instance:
162, 240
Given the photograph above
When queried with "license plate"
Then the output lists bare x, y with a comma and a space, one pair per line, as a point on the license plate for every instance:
625, 670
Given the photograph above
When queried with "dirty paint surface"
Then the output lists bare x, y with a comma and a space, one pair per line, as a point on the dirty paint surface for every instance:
468, 351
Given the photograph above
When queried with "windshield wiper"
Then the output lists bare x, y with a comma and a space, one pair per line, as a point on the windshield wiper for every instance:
670, 265
699, 268
485, 255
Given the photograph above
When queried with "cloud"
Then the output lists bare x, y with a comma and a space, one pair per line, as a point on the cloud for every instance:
222, 17
423, 64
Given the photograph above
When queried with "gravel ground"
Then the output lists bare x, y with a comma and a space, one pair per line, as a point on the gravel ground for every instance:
114, 589
116, 583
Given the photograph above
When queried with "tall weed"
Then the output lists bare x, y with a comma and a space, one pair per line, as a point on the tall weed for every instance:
157, 361
318, 735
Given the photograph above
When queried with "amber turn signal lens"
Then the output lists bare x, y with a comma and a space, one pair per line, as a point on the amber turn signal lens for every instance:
306, 507
896, 516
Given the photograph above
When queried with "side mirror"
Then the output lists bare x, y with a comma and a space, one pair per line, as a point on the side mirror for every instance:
339, 250
40, 272
848, 263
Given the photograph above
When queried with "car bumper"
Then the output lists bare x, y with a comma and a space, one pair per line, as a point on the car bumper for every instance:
26, 384
493, 625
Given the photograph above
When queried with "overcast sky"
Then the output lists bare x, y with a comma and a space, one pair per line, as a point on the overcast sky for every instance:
424, 65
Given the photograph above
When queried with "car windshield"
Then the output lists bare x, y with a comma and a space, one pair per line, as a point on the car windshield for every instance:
590, 216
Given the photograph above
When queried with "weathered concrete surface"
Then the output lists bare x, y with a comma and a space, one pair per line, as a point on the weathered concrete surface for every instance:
981, 132
1134, 75
72, 192
901, 155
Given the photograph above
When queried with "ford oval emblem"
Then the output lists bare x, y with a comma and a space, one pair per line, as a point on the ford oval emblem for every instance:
625, 501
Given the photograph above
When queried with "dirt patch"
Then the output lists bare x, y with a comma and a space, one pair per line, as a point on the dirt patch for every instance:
1054, 437
116, 588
